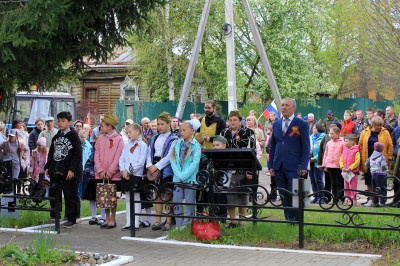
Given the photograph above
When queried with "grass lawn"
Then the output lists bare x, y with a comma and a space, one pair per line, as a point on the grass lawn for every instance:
316, 237
32, 218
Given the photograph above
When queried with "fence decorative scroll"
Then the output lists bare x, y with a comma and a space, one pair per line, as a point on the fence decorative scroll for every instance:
27, 194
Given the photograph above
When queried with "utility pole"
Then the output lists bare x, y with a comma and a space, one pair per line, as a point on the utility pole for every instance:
193, 59
263, 55
230, 55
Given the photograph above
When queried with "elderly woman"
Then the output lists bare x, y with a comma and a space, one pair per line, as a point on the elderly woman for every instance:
259, 134
347, 124
375, 133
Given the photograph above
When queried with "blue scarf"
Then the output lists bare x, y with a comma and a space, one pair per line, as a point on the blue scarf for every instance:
314, 137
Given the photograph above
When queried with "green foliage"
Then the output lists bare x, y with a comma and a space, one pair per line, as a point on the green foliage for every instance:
262, 233
285, 28
41, 250
38, 38
247, 107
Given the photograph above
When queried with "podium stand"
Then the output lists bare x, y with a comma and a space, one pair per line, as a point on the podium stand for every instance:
234, 159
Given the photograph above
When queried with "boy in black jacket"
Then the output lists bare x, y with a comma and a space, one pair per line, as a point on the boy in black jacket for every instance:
65, 162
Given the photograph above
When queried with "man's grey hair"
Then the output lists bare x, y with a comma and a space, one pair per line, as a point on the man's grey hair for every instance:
290, 99
143, 119
311, 114
252, 111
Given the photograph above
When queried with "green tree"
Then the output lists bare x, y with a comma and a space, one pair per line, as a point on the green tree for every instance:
285, 27
43, 41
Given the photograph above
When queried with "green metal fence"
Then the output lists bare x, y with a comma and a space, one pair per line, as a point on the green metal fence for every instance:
138, 110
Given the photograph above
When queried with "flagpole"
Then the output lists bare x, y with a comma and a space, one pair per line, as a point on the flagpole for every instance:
259, 117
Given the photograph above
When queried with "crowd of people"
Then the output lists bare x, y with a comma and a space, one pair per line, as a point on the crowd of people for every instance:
167, 150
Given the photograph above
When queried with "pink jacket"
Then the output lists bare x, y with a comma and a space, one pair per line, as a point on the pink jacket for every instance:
38, 161
333, 151
107, 153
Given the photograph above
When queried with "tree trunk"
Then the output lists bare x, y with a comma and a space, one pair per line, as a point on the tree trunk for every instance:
168, 48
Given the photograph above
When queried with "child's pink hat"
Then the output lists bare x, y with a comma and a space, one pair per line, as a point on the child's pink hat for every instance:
41, 141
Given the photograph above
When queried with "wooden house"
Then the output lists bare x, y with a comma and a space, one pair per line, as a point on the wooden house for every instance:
103, 83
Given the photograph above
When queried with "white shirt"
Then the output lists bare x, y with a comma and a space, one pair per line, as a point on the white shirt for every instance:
284, 122
158, 149
137, 159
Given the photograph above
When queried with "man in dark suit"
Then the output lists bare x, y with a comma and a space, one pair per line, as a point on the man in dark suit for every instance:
146, 130
289, 152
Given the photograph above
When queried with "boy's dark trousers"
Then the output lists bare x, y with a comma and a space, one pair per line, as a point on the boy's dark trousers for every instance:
379, 181
71, 198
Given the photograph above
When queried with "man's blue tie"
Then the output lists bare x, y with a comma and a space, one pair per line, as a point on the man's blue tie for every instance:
62, 134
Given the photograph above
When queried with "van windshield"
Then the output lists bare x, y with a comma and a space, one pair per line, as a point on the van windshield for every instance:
23, 110
40, 109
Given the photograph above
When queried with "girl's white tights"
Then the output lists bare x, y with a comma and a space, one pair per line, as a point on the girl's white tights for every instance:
136, 197
93, 210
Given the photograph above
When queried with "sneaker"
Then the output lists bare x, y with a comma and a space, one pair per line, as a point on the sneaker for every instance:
68, 224
101, 222
369, 204
93, 221
78, 220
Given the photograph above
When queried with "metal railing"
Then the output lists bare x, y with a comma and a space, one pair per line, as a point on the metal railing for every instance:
24, 196
262, 201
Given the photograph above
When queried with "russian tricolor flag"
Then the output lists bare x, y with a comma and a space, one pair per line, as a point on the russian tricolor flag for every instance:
270, 108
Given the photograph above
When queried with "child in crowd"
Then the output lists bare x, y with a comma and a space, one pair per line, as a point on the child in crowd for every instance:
109, 147
158, 162
38, 160
378, 166
333, 151
86, 151
65, 162
350, 165
90, 191
131, 165
185, 159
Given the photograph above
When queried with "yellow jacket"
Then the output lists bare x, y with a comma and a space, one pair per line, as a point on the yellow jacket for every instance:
383, 137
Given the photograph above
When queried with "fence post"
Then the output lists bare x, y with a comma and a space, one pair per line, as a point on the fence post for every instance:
57, 206
132, 210
301, 212
211, 195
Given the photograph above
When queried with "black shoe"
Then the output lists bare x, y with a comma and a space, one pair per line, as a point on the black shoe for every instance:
125, 227
111, 226
157, 226
231, 225
145, 224
394, 204
68, 224
101, 222
93, 221
103, 226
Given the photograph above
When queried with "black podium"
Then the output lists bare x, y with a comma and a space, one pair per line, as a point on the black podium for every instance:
234, 159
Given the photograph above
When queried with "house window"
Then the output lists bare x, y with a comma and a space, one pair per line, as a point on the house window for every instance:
91, 95
130, 94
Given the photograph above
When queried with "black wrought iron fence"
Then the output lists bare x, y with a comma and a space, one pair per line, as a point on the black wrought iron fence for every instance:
28, 195
214, 183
